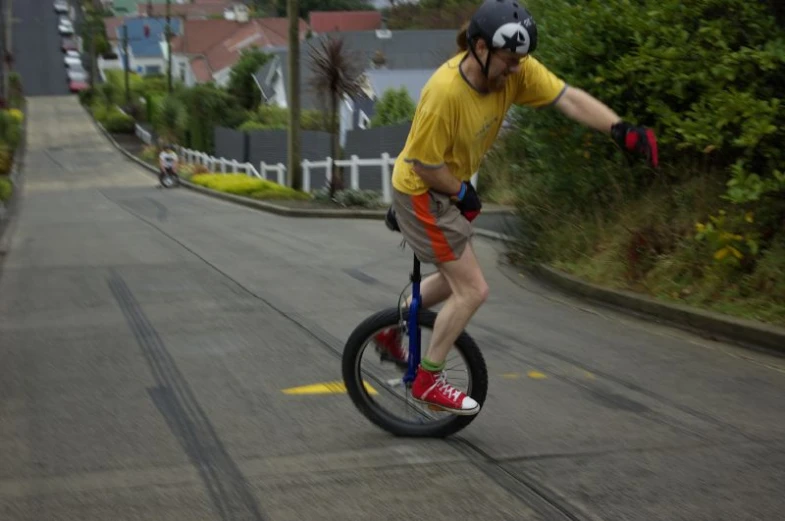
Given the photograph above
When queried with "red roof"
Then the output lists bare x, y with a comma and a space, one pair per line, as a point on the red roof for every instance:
216, 44
185, 10
328, 21
111, 24
201, 70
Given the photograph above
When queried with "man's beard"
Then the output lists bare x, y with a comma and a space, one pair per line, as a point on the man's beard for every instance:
497, 83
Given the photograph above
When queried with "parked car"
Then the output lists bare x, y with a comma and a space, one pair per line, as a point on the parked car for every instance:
65, 28
76, 72
77, 76
68, 44
78, 85
61, 6
72, 59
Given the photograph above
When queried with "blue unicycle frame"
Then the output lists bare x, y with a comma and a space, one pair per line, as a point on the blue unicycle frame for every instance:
413, 325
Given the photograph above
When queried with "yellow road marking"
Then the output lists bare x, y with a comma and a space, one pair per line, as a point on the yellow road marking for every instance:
536, 375
511, 376
324, 388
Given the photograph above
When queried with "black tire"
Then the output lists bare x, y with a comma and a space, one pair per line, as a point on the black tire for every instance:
170, 181
377, 414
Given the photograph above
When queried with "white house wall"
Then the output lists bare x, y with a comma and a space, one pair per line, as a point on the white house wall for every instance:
221, 77
140, 65
181, 69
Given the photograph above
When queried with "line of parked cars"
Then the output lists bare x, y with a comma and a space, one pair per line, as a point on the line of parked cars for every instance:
76, 75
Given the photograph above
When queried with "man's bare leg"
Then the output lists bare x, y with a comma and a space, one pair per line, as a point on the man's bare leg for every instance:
434, 289
468, 291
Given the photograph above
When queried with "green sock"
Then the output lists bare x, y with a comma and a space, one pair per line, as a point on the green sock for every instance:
431, 366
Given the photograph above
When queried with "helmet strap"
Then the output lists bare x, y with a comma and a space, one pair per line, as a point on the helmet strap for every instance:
485, 66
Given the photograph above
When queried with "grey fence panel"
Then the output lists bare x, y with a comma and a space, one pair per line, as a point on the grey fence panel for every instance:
315, 146
231, 144
272, 146
269, 146
372, 143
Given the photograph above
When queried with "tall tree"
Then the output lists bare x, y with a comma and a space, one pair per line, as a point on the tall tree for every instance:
337, 72
395, 106
241, 82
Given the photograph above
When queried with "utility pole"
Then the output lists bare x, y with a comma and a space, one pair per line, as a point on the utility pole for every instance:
125, 59
168, 46
293, 159
7, 44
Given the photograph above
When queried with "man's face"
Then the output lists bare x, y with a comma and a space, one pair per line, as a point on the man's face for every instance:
503, 64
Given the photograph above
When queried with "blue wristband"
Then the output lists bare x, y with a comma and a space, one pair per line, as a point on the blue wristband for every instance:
461, 192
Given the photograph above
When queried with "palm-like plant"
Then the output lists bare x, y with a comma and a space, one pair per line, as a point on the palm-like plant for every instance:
337, 72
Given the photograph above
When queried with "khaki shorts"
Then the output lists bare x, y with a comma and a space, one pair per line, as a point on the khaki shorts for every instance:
432, 225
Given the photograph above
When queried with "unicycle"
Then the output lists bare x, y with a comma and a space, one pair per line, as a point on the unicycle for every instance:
169, 179
382, 392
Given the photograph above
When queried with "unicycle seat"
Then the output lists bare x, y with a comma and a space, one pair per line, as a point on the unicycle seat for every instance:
391, 221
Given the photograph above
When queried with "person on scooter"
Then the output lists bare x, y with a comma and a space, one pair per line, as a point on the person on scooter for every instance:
167, 161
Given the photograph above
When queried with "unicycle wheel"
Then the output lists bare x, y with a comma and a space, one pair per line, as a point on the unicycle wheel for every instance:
383, 398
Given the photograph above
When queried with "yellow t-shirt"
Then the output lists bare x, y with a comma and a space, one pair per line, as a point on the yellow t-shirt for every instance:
456, 125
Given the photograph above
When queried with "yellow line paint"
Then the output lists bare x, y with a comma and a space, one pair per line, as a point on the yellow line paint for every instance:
589, 375
324, 388
536, 375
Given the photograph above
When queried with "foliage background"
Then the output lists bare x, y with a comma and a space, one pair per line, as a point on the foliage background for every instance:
709, 226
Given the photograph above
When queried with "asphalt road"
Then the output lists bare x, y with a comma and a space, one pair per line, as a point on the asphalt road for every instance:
36, 45
146, 337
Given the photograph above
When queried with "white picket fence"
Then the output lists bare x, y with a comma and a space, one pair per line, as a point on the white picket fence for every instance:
278, 171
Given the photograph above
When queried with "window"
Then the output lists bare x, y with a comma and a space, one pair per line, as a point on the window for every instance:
363, 121
153, 69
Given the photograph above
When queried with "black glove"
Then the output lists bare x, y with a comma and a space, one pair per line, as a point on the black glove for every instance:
467, 201
640, 140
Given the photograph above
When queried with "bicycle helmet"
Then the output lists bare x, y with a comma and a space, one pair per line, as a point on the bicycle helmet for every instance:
503, 24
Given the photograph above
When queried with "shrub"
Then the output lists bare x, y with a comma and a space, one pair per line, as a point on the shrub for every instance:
351, 198
10, 128
149, 153
6, 158
86, 97
272, 117
17, 115
5, 189
284, 193
118, 122
704, 74
241, 184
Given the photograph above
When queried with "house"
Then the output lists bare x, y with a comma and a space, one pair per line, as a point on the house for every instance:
378, 81
379, 50
207, 49
191, 11
391, 59
146, 44
129, 7
344, 21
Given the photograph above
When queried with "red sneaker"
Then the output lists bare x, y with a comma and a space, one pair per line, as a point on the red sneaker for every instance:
390, 346
433, 389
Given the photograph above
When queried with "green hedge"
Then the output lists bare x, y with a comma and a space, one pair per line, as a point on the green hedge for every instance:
707, 75
116, 121
5, 189
709, 226
241, 184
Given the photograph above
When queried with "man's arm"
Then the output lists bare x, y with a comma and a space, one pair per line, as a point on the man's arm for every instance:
584, 108
440, 178
581, 106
